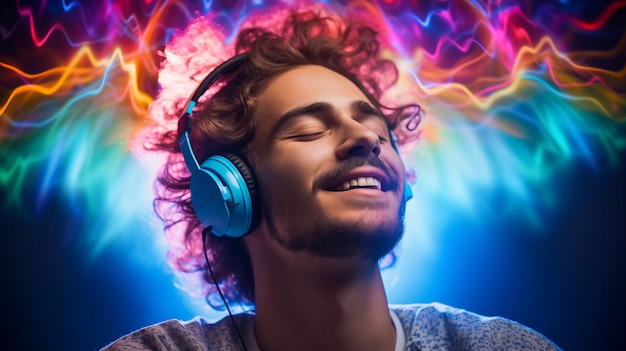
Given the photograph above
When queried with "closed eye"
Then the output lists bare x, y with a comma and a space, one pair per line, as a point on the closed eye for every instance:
306, 136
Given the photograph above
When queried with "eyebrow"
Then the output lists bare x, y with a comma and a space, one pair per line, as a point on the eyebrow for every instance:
357, 107
314, 108
365, 108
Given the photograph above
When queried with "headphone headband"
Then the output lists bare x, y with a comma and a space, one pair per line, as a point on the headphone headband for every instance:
226, 67
223, 190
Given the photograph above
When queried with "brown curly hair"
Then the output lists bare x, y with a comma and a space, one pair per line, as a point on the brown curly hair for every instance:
225, 123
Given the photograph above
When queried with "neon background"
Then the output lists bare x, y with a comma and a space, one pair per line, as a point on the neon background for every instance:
520, 199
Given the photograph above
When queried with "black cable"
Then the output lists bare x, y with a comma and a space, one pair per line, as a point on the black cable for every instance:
206, 257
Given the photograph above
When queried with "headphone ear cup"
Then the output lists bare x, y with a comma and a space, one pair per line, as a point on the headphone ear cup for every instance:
221, 196
248, 177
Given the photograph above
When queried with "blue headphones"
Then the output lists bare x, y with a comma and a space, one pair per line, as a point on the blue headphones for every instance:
223, 188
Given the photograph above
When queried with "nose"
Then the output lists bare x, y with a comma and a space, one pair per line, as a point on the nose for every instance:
358, 140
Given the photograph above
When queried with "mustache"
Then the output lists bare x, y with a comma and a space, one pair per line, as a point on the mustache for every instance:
352, 163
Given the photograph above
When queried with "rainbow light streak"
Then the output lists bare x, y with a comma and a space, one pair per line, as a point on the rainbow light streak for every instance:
513, 93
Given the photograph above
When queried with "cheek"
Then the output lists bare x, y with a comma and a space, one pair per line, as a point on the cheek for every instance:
280, 180
396, 164
288, 177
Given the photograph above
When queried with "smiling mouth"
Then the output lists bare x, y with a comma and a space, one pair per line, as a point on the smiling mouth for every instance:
359, 183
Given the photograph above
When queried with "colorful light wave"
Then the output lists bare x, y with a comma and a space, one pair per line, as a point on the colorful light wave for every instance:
515, 92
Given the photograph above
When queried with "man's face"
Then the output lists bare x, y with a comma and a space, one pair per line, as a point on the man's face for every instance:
330, 182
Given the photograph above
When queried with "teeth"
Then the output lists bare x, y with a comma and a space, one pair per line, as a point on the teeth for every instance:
361, 182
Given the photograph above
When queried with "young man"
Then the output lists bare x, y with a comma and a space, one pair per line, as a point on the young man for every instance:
297, 127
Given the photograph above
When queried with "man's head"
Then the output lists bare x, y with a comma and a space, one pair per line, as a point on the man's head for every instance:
304, 112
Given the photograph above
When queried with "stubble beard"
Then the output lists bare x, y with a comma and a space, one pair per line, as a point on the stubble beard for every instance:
337, 238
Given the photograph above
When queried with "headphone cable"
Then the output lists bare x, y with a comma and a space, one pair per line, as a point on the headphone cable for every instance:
208, 263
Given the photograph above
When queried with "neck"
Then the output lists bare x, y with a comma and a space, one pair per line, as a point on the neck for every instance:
311, 303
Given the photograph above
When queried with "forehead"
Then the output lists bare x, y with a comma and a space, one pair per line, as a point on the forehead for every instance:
301, 86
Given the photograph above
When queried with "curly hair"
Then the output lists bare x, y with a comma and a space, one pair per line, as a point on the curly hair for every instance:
225, 123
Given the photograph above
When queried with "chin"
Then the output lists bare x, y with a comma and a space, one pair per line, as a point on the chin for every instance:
338, 231
366, 236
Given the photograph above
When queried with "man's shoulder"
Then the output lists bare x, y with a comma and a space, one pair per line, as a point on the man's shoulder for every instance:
442, 327
197, 334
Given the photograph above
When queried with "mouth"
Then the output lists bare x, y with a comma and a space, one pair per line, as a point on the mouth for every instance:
359, 183
372, 179
358, 174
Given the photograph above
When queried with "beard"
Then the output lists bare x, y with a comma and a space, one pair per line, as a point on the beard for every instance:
364, 238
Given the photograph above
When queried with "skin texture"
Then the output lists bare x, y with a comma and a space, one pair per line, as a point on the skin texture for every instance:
315, 252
